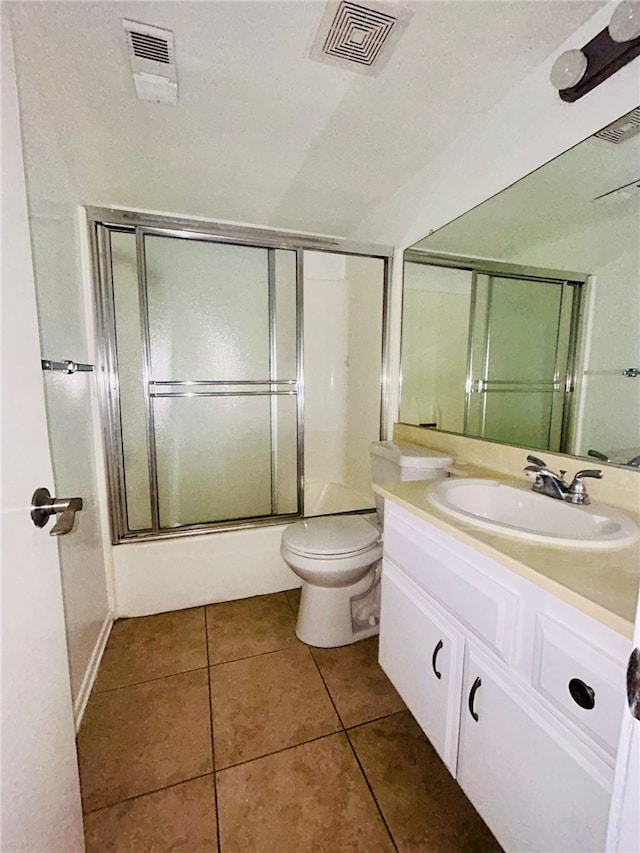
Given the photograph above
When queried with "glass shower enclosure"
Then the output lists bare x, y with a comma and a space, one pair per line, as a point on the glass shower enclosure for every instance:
489, 350
202, 347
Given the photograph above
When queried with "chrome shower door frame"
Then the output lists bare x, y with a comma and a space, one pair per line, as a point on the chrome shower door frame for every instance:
102, 222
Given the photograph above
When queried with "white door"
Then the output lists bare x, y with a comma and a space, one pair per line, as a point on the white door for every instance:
624, 817
41, 808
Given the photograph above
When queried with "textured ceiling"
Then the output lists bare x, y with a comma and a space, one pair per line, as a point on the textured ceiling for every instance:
262, 133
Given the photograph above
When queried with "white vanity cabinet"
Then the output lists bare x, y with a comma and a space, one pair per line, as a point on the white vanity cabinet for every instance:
422, 653
520, 694
534, 783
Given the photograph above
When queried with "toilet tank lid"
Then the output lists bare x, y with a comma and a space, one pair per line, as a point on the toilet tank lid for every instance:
330, 535
410, 455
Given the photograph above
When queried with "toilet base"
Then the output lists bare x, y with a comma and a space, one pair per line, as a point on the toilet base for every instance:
329, 617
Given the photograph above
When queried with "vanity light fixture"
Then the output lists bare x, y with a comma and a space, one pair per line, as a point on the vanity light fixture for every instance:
576, 72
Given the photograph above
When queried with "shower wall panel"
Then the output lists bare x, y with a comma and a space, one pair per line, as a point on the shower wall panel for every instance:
343, 310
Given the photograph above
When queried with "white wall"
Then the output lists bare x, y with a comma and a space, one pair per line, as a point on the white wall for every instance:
343, 302
611, 253
366, 292
70, 400
326, 316
527, 128
71, 435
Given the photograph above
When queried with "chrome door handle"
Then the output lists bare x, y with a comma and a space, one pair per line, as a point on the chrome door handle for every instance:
43, 506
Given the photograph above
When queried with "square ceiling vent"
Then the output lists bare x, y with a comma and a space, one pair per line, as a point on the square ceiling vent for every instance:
358, 37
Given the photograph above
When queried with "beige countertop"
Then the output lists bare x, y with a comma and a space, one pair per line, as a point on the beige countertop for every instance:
601, 583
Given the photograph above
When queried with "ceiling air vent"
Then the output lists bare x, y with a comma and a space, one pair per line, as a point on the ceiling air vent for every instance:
359, 37
621, 129
152, 57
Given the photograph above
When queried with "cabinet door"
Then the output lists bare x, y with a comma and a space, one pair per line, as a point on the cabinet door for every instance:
536, 785
422, 653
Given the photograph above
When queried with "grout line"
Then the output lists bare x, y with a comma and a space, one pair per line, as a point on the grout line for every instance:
149, 680
335, 707
368, 784
213, 749
147, 793
346, 732
282, 749
295, 612
376, 719
297, 645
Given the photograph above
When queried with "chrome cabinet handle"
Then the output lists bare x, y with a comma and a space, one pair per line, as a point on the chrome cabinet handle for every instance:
43, 506
472, 695
434, 657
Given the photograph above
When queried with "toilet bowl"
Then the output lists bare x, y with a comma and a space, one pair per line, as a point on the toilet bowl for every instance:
339, 558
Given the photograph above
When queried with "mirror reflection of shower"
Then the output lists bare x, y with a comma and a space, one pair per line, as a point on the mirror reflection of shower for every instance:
489, 353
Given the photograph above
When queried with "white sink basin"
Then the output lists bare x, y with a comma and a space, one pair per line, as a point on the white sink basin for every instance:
517, 511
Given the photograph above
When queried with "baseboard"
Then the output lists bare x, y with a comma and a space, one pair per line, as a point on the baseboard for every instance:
92, 670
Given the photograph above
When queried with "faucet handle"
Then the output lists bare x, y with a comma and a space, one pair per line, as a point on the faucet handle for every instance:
536, 461
577, 493
596, 473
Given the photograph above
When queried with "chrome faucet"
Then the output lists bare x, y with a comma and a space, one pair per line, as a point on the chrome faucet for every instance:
545, 482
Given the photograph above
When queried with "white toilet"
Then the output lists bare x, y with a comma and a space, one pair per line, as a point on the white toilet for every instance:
339, 560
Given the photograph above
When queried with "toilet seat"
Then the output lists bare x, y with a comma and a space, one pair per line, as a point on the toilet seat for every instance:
330, 538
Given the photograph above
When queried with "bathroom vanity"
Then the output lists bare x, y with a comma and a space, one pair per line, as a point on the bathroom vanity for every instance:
511, 656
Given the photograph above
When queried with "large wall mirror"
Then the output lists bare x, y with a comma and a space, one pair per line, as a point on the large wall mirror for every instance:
521, 318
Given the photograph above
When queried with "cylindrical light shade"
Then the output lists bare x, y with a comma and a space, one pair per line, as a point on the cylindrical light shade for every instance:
568, 69
625, 22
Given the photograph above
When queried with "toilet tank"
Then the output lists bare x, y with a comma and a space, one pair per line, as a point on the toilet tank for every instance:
397, 461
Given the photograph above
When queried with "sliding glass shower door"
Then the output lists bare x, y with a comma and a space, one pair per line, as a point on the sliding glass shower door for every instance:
206, 358
521, 347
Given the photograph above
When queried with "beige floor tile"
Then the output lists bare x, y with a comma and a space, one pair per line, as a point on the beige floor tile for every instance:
424, 808
360, 689
309, 799
182, 817
141, 738
293, 597
153, 646
266, 703
250, 626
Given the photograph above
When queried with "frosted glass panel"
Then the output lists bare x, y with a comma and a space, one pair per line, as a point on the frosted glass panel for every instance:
285, 303
523, 330
214, 458
133, 415
285, 469
208, 310
519, 418
435, 331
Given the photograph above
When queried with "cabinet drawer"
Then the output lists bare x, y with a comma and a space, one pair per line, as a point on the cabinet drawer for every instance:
565, 663
483, 604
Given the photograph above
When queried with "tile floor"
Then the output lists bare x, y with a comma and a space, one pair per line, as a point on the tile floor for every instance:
215, 729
